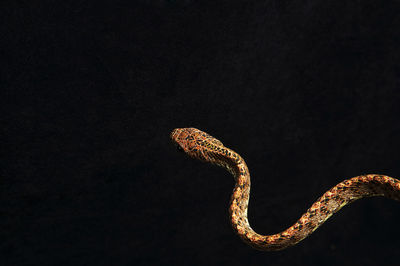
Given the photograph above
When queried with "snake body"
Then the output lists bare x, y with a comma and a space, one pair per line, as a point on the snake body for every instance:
200, 145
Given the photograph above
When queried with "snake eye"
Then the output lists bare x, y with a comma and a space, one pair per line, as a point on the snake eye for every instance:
179, 148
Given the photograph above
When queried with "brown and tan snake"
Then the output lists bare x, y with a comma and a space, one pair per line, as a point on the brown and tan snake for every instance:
200, 145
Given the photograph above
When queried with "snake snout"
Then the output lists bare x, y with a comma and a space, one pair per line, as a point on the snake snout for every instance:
174, 134
175, 139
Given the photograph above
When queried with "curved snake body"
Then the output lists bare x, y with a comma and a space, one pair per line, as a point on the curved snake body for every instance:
200, 145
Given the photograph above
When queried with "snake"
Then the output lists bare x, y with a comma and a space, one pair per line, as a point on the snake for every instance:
202, 146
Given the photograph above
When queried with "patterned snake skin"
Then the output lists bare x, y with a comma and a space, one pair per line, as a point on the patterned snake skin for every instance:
199, 145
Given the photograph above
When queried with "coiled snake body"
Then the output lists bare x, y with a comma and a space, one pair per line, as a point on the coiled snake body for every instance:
200, 145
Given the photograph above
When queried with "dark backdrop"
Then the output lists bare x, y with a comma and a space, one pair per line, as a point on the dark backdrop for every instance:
306, 91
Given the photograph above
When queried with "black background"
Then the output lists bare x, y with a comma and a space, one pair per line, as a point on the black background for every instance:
306, 91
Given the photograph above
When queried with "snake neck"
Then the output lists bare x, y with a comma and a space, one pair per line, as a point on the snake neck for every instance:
240, 200
238, 212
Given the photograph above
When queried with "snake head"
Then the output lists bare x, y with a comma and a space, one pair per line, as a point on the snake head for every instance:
194, 142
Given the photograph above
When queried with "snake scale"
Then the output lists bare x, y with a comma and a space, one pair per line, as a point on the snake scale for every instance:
200, 145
